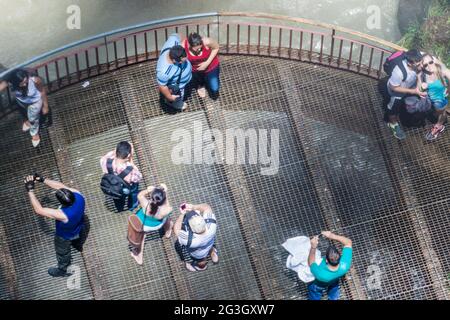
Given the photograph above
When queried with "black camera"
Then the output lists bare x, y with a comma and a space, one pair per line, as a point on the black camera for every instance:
174, 89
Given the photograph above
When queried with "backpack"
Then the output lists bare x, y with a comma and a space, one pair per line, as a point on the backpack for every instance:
111, 184
395, 60
188, 229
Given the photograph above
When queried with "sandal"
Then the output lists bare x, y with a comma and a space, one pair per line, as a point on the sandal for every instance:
193, 267
214, 255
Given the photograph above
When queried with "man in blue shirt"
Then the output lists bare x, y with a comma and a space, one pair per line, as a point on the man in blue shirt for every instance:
331, 269
173, 71
69, 220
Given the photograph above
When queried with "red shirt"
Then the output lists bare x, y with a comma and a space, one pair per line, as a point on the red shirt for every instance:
196, 60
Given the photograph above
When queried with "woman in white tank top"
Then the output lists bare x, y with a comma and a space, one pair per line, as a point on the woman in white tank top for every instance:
31, 96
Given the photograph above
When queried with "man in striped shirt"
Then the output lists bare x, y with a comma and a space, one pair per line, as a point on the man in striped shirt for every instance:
173, 71
122, 158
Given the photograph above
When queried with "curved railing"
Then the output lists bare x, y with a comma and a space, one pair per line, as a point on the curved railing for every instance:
237, 33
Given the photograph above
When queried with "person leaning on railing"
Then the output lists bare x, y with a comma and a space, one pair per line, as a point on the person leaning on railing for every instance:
174, 72
331, 269
202, 53
31, 96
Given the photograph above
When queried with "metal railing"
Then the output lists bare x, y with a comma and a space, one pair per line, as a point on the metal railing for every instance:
253, 34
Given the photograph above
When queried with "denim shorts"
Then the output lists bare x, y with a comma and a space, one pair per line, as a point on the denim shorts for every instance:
440, 104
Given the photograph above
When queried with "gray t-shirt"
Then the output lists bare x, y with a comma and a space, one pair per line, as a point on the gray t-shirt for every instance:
396, 80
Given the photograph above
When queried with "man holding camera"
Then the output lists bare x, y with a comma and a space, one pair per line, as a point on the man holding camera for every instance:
331, 269
173, 71
196, 228
69, 219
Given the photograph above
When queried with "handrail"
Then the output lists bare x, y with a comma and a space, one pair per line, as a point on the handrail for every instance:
362, 53
314, 23
107, 34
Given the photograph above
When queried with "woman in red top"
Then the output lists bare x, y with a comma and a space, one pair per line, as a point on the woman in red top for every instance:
202, 53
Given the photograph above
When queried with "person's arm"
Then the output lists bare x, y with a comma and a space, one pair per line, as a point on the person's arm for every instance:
167, 94
446, 74
142, 197
346, 242
199, 207
3, 85
40, 86
414, 91
179, 223
37, 207
214, 46
46, 212
53, 184
312, 251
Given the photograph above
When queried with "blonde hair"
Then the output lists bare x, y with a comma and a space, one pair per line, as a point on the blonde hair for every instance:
439, 69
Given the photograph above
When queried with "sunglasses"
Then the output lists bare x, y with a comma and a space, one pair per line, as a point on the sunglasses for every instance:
429, 63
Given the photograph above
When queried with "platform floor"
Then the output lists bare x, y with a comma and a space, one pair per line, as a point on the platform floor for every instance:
339, 169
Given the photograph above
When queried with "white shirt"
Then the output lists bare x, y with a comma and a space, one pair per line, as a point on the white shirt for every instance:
396, 79
201, 243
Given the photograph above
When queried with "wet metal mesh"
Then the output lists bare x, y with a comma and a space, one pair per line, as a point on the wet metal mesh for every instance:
339, 169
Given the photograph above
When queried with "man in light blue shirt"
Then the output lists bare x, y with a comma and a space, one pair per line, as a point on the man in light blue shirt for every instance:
173, 71
331, 269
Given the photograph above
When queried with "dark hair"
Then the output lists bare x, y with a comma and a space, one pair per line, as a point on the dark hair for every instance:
123, 150
177, 53
157, 199
333, 256
65, 197
413, 56
16, 77
195, 39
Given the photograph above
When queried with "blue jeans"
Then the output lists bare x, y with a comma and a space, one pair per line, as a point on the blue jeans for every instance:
132, 199
315, 291
211, 80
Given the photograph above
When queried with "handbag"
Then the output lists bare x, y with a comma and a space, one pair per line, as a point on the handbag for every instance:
136, 233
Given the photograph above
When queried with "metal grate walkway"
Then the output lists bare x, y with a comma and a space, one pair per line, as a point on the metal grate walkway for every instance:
339, 169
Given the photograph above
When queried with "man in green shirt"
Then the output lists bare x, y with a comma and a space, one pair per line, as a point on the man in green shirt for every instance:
331, 269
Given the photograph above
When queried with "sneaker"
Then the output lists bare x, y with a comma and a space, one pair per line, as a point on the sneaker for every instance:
35, 143
25, 127
185, 105
201, 92
56, 272
397, 131
434, 133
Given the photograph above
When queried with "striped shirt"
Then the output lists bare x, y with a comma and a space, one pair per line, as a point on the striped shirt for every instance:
134, 176
167, 73
201, 243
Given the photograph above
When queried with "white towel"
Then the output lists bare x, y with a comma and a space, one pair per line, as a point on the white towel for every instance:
298, 249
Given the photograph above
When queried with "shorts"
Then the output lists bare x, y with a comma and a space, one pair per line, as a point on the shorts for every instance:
440, 105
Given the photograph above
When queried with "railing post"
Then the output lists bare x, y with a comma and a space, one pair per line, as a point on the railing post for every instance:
333, 34
107, 53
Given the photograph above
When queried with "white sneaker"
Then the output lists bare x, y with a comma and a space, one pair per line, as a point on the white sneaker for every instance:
185, 105
25, 127
35, 142
201, 92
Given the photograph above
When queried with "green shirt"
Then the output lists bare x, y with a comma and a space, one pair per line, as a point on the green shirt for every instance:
326, 276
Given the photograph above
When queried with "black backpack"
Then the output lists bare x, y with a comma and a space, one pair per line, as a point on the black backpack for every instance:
112, 185
395, 60
187, 227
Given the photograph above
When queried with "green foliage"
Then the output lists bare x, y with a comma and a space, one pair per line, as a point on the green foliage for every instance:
434, 34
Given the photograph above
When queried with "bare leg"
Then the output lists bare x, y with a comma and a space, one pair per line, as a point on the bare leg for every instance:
168, 228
